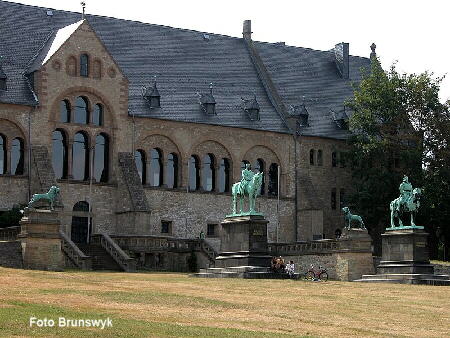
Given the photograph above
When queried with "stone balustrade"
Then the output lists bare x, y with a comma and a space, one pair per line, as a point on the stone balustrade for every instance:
9, 233
126, 262
74, 253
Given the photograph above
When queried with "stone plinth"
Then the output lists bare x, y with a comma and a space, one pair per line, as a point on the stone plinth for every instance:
405, 251
41, 242
405, 259
243, 242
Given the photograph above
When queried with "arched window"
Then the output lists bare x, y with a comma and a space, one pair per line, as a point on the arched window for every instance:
273, 180
59, 154
259, 166
209, 176
84, 65
156, 168
172, 171
319, 157
194, 173
80, 223
333, 159
101, 158
224, 175
311, 157
80, 157
333, 199
64, 111
141, 165
243, 163
97, 117
2, 154
81, 110
17, 157
342, 201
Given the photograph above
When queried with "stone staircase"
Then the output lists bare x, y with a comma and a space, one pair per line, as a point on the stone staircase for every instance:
101, 259
11, 254
248, 272
406, 278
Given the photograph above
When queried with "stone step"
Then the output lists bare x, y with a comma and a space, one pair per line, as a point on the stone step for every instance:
397, 276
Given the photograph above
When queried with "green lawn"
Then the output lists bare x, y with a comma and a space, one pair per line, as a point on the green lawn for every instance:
173, 305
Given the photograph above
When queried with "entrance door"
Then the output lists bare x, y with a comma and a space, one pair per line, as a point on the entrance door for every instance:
80, 223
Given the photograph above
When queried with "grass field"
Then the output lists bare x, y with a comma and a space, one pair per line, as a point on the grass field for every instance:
171, 305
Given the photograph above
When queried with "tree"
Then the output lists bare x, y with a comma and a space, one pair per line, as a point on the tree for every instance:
399, 127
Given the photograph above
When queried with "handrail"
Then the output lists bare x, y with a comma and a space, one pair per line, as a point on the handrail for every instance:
125, 262
9, 233
81, 260
208, 250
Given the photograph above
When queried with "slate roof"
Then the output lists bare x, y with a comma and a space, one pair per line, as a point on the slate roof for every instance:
185, 63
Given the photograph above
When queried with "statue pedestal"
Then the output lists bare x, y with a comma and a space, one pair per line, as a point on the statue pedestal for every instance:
243, 242
405, 251
405, 259
41, 241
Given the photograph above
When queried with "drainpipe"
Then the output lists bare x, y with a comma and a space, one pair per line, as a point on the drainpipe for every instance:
295, 136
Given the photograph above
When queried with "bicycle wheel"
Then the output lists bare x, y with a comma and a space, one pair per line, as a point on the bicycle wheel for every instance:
309, 275
323, 276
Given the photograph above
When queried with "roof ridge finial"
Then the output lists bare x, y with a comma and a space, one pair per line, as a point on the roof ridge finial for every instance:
373, 47
211, 88
154, 81
83, 6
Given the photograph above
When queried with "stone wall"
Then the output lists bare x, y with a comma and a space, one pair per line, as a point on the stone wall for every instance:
189, 212
11, 254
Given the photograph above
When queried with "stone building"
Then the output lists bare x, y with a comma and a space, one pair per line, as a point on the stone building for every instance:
145, 127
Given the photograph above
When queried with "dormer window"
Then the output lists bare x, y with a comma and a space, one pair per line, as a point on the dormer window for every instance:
301, 113
340, 118
251, 107
207, 102
3, 77
84, 65
152, 96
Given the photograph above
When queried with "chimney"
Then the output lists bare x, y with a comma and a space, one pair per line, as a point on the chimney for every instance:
342, 59
247, 30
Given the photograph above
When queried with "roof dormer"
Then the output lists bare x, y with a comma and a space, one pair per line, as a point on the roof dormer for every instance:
251, 107
151, 95
300, 113
340, 117
3, 76
207, 102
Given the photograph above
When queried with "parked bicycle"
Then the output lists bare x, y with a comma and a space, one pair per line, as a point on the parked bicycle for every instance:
317, 275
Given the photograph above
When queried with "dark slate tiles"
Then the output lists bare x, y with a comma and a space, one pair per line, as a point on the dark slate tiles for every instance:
185, 63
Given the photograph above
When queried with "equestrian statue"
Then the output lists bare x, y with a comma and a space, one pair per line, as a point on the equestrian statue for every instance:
250, 186
407, 202
349, 219
50, 197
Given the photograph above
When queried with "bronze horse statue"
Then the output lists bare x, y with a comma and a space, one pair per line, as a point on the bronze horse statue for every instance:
400, 206
251, 190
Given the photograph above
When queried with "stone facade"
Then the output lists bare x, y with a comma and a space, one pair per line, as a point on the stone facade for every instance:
303, 210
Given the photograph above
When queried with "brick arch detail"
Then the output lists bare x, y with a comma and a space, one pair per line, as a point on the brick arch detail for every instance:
215, 148
263, 152
162, 142
93, 96
11, 130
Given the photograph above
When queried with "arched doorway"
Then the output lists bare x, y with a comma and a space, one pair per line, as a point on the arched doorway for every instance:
80, 223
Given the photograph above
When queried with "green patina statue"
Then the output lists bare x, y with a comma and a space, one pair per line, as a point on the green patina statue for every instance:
50, 197
351, 219
407, 202
250, 186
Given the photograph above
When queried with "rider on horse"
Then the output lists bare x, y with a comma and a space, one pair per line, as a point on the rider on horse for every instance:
247, 175
405, 192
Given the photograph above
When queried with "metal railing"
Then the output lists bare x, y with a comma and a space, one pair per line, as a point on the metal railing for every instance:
9, 233
81, 260
127, 263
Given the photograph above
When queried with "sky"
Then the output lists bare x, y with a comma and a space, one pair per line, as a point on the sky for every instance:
413, 34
